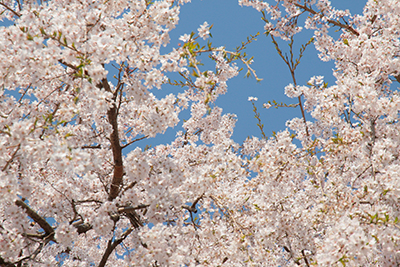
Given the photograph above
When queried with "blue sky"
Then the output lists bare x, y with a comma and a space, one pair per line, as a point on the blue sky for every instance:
232, 25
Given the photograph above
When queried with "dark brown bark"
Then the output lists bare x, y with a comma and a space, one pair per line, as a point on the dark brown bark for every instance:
4, 263
112, 115
36, 217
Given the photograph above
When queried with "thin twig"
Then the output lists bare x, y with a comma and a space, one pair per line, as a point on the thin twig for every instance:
336, 23
133, 141
11, 159
292, 67
12, 11
112, 245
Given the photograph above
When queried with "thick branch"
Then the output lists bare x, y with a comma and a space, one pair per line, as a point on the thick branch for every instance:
82, 227
397, 78
112, 115
130, 208
4, 263
36, 217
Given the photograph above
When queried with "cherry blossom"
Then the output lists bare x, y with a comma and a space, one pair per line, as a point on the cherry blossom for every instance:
204, 30
77, 191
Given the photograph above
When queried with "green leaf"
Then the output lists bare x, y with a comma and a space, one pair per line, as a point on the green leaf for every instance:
374, 217
194, 73
68, 135
50, 118
207, 99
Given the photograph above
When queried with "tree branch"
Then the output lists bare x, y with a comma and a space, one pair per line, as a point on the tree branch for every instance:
37, 218
117, 155
11, 159
133, 141
397, 78
82, 227
112, 115
292, 67
12, 11
336, 23
112, 245
92, 147
129, 211
4, 263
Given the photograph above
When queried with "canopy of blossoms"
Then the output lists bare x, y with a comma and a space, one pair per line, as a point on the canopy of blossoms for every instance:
76, 191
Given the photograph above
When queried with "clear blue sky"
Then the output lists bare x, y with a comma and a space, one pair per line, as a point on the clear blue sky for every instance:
232, 25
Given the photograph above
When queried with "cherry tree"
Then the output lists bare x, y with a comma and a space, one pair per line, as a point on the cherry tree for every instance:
77, 80
333, 200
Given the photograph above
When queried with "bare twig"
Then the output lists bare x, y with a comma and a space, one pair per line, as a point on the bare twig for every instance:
192, 208
292, 65
133, 141
334, 22
11, 159
259, 124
